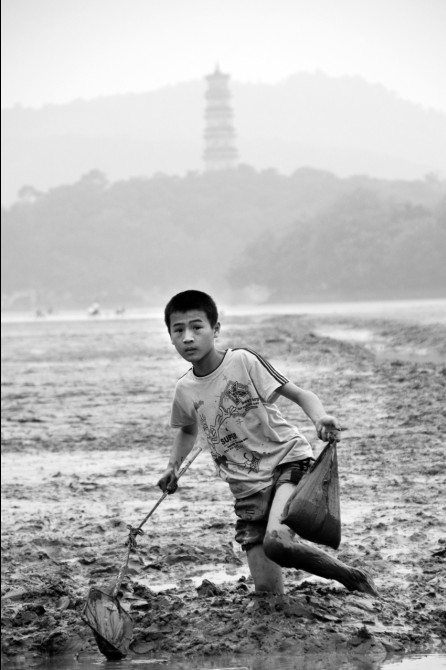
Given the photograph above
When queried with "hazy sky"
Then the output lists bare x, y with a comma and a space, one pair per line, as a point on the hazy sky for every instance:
54, 51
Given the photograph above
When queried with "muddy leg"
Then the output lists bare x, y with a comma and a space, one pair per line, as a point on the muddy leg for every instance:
267, 575
285, 548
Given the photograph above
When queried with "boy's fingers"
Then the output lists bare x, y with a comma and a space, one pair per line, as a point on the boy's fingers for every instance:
168, 482
163, 484
171, 484
330, 434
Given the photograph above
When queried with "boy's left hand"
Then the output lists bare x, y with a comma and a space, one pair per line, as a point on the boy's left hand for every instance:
328, 429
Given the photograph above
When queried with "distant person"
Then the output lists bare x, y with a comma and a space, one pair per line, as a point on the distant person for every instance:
94, 309
229, 397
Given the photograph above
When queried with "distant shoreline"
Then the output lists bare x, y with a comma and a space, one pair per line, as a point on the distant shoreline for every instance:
418, 309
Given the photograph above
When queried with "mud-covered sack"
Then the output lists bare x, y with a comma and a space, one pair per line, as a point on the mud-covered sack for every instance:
313, 510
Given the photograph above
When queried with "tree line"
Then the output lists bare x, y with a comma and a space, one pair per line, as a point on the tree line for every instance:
247, 234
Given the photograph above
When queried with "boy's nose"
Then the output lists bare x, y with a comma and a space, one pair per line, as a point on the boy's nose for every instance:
188, 336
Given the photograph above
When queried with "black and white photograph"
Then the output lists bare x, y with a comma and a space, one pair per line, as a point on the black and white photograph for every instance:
223, 433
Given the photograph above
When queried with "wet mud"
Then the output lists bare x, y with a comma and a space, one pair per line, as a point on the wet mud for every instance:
85, 436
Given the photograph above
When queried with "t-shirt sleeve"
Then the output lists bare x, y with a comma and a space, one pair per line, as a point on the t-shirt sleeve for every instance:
265, 377
183, 412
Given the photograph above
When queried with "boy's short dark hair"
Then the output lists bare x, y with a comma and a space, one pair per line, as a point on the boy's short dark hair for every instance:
187, 300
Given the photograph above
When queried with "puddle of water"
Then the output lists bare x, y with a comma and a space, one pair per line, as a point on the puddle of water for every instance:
347, 334
238, 662
216, 576
417, 662
375, 344
409, 355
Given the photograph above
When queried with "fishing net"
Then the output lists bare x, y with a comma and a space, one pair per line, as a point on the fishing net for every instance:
111, 624
313, 510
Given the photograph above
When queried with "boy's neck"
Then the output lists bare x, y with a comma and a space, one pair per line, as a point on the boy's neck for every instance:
208, 363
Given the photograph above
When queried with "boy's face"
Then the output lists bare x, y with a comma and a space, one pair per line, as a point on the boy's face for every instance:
192, 335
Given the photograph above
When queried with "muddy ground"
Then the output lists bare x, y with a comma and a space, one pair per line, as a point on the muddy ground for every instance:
85, 435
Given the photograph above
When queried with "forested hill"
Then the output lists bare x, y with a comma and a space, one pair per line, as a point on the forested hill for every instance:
242, 234
342, 124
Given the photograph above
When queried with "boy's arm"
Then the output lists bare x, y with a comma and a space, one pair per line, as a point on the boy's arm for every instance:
182, 446
327, 426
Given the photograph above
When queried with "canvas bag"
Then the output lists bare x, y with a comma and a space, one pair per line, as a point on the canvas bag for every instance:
313, 509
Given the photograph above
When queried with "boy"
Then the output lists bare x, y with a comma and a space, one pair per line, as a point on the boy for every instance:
229, 396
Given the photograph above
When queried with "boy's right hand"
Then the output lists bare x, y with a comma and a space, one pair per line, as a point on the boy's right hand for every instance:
168, 481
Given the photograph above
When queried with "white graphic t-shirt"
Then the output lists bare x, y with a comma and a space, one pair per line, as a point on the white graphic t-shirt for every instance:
234, 409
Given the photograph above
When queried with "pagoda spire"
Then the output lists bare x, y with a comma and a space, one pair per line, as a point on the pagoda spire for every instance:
220, 152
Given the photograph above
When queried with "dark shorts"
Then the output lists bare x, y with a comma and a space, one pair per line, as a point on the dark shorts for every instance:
253, 511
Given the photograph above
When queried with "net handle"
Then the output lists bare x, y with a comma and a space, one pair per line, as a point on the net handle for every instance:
137, 531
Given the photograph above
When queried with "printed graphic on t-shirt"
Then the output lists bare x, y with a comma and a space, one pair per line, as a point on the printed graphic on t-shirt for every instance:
227, 449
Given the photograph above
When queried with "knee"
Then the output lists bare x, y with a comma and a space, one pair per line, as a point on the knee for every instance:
277, 549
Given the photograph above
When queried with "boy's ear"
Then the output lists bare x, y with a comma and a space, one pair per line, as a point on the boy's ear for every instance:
217, 329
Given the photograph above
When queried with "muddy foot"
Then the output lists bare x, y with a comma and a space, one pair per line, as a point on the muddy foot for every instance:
361, 581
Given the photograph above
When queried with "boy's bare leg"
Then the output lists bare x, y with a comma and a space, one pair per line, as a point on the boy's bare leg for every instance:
267, 575
287, 549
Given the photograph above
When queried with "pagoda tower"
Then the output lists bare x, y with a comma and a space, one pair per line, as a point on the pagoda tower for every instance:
220, 152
